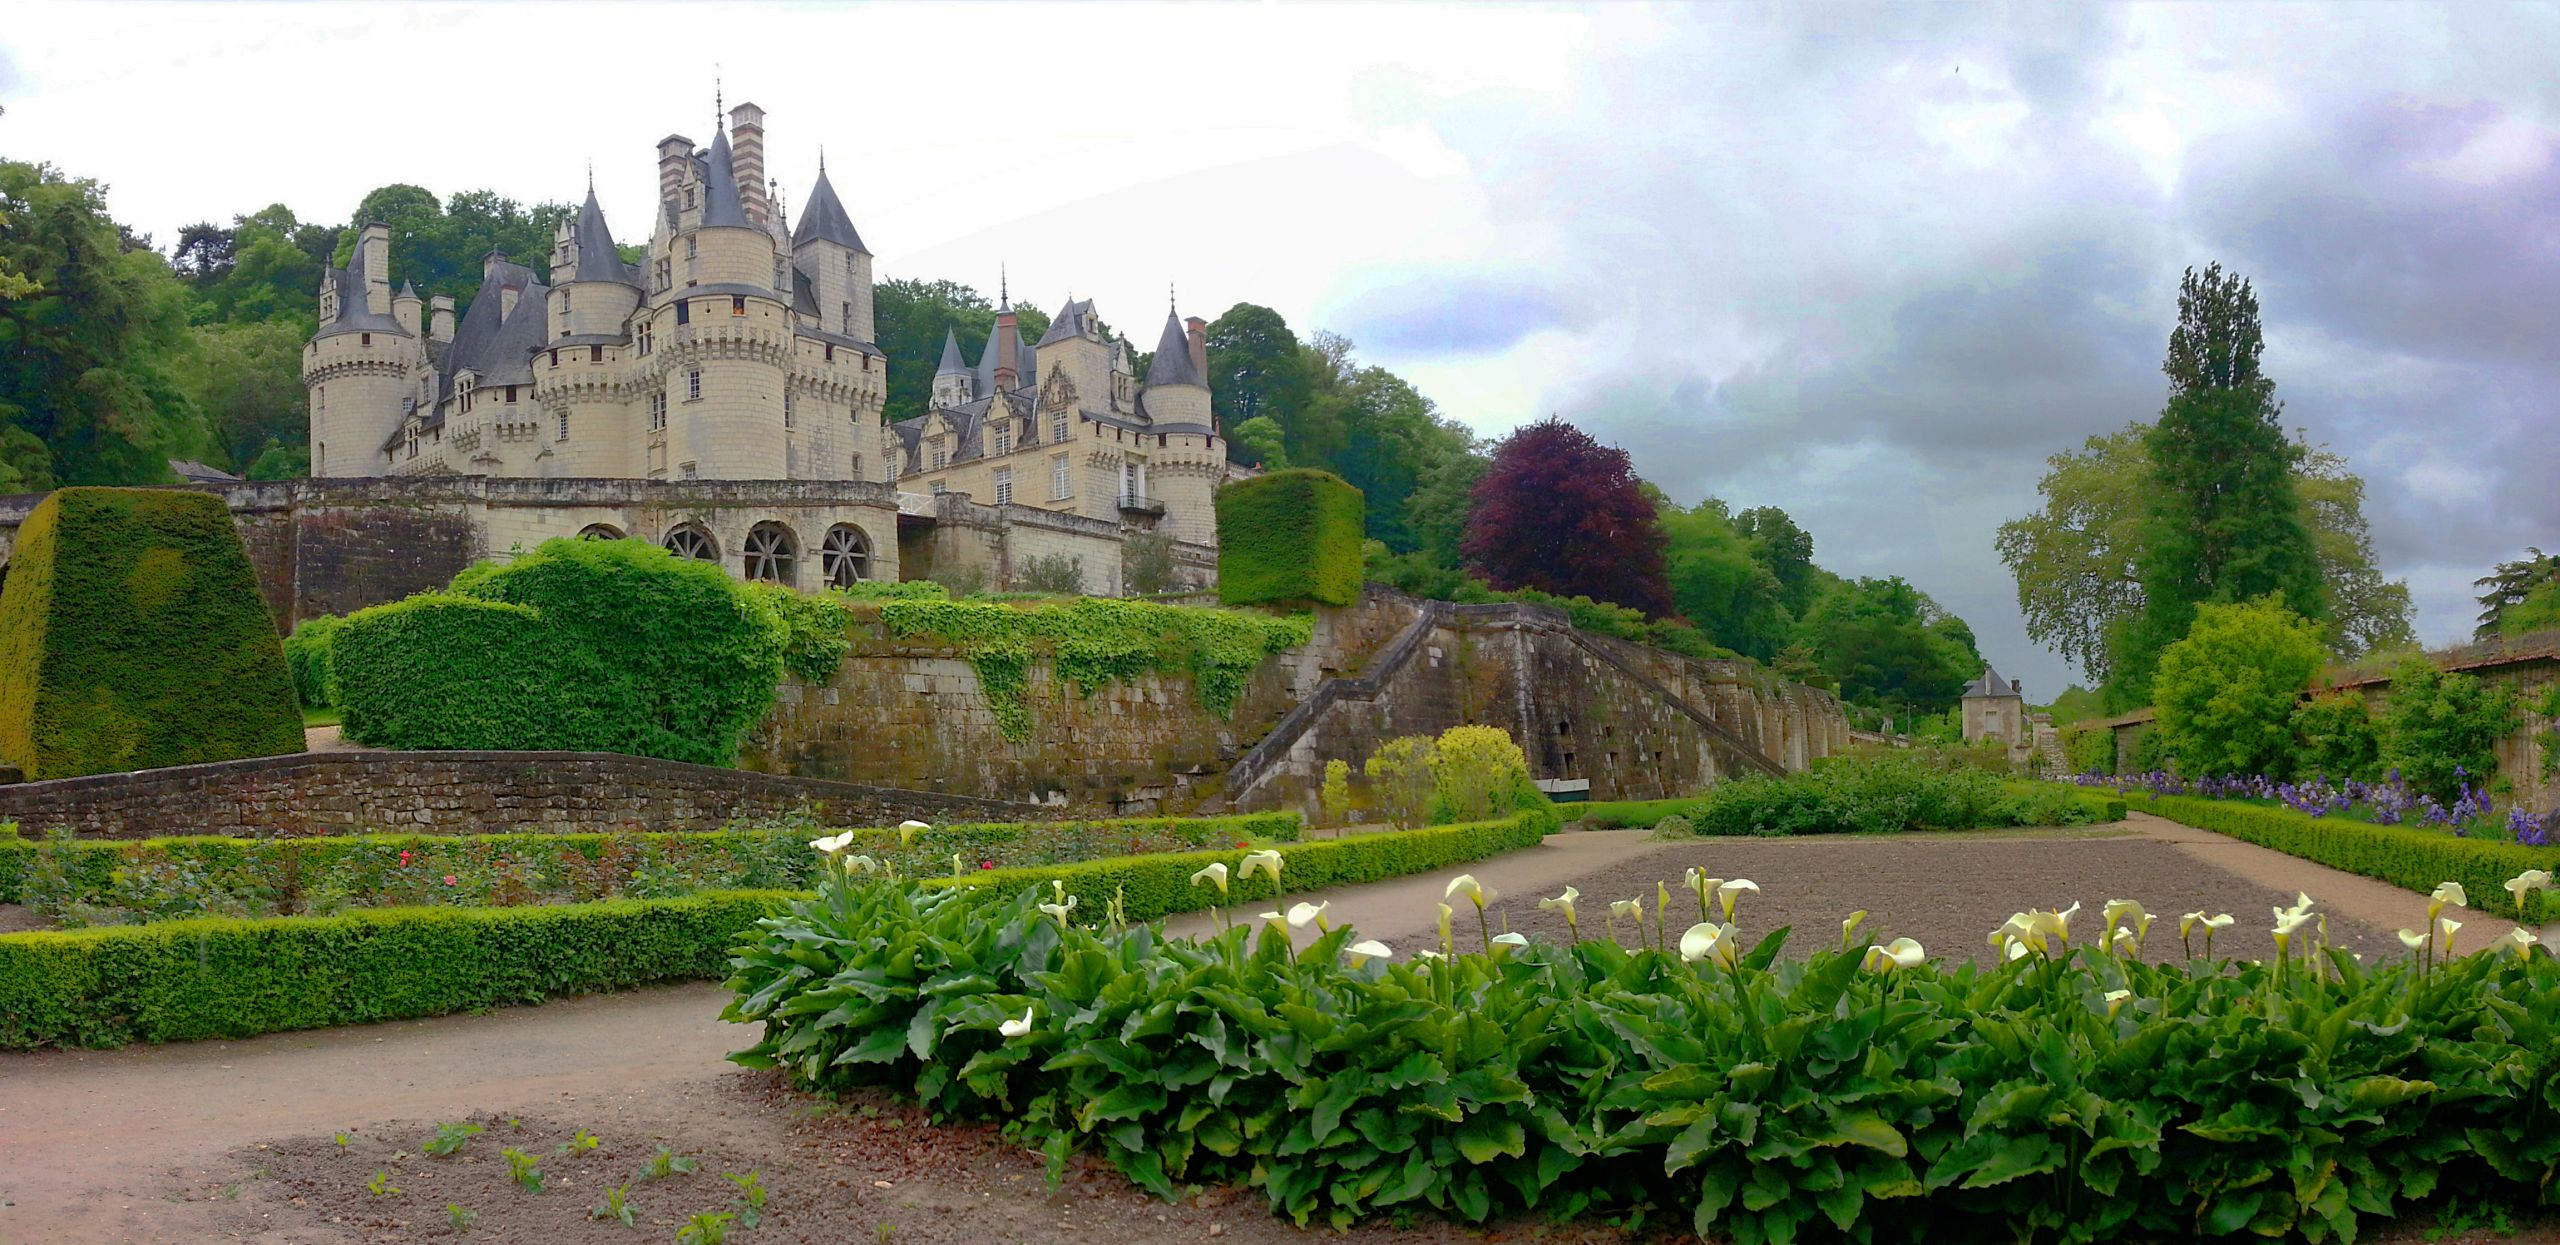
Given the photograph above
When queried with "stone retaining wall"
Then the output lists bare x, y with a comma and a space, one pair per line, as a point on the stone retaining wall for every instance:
458, 793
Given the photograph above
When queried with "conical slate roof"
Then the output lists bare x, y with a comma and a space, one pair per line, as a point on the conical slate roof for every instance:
1172, 362
1069, 322
720, 202
952, 363
354, 313
823, 218
597, 258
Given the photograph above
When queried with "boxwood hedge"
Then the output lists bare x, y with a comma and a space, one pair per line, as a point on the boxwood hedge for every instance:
438, 671
2404, 856
306, 654
1289, 537
233, 979
132, 635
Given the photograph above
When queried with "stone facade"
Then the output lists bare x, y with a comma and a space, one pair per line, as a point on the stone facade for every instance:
456, 793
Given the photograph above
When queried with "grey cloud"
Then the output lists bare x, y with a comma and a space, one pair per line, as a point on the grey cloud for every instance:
1460, 313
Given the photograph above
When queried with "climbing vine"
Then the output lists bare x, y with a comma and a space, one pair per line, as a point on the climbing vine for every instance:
1093, 642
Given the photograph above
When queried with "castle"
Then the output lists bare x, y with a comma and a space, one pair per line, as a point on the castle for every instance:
740, 348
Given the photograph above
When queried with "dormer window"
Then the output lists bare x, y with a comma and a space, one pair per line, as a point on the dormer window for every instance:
688, 198
692, 247
1004, 438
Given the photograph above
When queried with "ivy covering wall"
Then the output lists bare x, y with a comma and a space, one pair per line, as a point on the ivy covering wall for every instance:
1091, 642
132, 635
1289, 537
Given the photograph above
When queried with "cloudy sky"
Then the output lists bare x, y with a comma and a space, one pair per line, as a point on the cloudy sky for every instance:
1868, 264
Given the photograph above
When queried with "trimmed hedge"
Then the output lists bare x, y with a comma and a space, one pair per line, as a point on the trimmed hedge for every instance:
439, 671
1160, 885
185, 980
355, 863
1630, 814
132, 636
2035, 798
306, 654
2413, 859
1290, 537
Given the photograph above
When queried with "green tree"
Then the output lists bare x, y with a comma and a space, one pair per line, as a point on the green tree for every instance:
1436, 513
1258, 442
1884, 643
2508, 586
87, 357
2538, 611
1717, 583
440, 246
246, 379
2335, 738
2226, 692
2077, 561
1787, 550
2440, 730
1256, 371
2225, 520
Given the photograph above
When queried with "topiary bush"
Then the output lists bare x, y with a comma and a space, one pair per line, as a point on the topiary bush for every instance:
438, 671
1289, 537
306, 654
132, 635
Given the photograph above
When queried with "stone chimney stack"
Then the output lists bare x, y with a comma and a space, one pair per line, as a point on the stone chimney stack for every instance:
2016, 689
746, 155
1197, 330
404, 308
440, 318
377, 267
1008, 367
673, 151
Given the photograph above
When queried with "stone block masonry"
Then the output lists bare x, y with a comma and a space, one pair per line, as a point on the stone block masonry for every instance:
315, 793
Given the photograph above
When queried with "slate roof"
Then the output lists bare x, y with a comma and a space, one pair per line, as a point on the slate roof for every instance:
1071, 321
354, 315
968, 420
1172, 362
952, 363
1990, 685
823, 218
720, 202
597, 258
194, 472
495, 346
1025, 365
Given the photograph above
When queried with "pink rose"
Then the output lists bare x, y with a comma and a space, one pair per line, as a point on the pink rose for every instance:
448, 879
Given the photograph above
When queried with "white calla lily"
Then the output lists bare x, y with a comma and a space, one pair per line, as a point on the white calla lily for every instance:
2446, 895
833, 843
1280, 919
1633, 908
1728, 892
2116, 999
908, 830
2412, 939
1214, 875
2523, 940
2187, 923
2526, 882
1562, 903
1266, 861
2445, 927
1709, 942
1900, 953
1371, 949
1476, 892
1511, 940
864, 865
1016, 1028
1305, 914
1062, 909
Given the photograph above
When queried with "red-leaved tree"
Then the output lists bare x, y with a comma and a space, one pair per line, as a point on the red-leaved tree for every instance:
1562, 513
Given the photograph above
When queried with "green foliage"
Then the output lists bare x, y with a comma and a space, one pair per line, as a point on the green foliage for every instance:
2335, 737
616, 1206
2089, 749
666, 1163
439, 245
524, 1169
307, 656
1889, 791
2410, 857
596, 645
2441, 730
1056, 574
1416, 575
710, 1227
223, 978
751, 1193
1478, 773
1091, 642
1146, 563
1884, 642
202, 875
132, 636
2530, 584
460, 1218
380, 1185
2226, 693
1400, 779
1628, 814
1336, 797
1769, 1101
1719, 584
1154, 886
816, 633
910, 317
1289, 537
450, 1138
882, 590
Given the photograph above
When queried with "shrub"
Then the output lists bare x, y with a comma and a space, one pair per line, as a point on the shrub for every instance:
2441, 730
1631, 814
910, 590
1146, 562
1887, 792
1155, 886
1337, 792
438, 671
1400, 779
1477, 773
816, 631
234, 979
2084, 1098
2226, 693
1289, 537
1675, 826
2405, 856
132, 636
2335, 738
2089, 749
306, 655
1056, 574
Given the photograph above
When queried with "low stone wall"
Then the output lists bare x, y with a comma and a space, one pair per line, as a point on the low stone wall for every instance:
457, 793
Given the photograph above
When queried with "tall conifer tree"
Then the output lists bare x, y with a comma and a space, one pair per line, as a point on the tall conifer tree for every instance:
2226, 524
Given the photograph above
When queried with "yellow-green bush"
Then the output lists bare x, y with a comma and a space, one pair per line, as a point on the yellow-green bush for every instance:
2407, 857
306, 654
132, 636
233, 979
1289, 537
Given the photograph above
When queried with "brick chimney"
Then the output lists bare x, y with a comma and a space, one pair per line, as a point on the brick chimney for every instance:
1197, 330
1008, 368
440, 318
746, 155
673, 151
2016, 689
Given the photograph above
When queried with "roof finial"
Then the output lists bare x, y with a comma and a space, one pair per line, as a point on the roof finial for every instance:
1171, 303
719, 102
1004, 287
591, 175
822, 159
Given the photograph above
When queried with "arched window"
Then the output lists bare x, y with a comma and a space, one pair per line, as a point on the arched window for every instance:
690, 541
599, 531
845, 557
772, 555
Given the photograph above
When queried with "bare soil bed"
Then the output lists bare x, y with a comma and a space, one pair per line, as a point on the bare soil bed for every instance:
1948, 891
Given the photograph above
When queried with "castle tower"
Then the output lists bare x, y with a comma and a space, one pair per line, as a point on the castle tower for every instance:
952, 384
405, 308
1074, 346
722, 336
357, 368
587, 427
828, 249
1182, 470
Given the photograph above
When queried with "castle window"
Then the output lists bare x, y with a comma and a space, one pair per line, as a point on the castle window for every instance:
658, 411
690, 541
690, 471
321, 395
1004, 438
846, 555
772, 554
941, 454
684, 312
1058, 477
831, 352
789, 415
555, 356
737, 304
693, 385
1004, 486
847, 320
595, 354
648, 337
857, 466
692, 247
688, 197
666, 277
564, 302
1057, 426
511, 393
368, 338
564, 425
940, 488
848, 265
